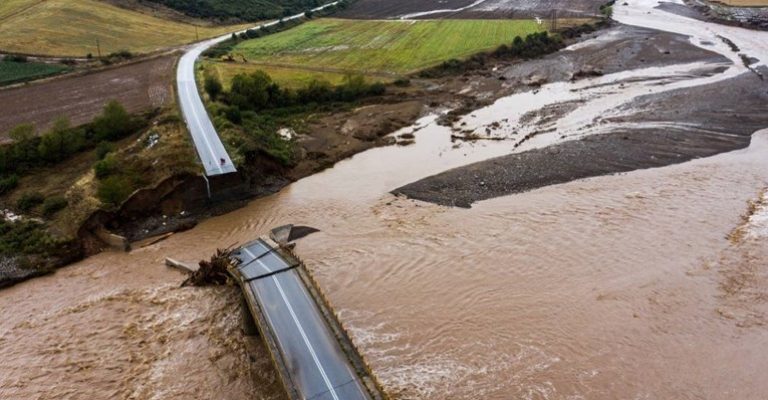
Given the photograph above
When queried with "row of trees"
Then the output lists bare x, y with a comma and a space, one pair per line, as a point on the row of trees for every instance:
29, 150
62, 140
257, 91
533, 45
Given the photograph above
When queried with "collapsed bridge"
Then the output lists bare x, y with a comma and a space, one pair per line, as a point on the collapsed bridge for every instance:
313, 354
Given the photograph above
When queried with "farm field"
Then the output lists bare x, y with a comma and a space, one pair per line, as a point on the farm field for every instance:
72, 27
380, 47
13, 72
138, 86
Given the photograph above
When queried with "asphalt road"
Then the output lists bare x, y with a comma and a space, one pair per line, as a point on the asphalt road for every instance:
317, 365
211, 151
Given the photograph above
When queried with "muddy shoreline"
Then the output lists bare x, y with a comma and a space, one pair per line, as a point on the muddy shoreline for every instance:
653, 131
611, 153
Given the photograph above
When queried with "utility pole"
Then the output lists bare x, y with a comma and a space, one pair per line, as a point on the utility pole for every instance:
554, 20
197, 36
98, 47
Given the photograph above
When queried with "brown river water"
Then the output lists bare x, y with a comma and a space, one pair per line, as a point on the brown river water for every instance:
645, 285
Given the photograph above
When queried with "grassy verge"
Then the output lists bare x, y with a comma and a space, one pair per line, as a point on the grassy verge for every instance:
288, 76
75, 27
330, 48
15, 72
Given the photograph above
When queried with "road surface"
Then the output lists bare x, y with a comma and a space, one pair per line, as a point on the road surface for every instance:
211, 151
316, 364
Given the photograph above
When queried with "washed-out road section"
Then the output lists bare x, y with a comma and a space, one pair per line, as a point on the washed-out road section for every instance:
315, 364
210, 149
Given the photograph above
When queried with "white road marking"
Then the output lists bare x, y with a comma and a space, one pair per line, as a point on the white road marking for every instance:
298, 325
186, 73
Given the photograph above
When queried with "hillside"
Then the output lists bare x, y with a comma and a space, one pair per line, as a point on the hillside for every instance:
239, 10
73, 27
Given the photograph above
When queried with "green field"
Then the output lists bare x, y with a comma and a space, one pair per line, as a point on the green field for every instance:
72, 28
377, 47
13, 72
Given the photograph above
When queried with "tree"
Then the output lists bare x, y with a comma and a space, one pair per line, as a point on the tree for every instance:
114, 189
53, 145
24, 147
113, 123
212, 86
250, 91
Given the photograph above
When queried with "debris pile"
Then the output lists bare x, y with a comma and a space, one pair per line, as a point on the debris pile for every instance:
213, 272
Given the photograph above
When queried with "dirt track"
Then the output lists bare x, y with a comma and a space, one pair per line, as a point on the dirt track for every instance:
138, 86
470, 9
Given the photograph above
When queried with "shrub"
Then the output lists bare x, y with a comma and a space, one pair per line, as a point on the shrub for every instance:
54, 145
402, 82
113, 123
104, 148
212, 86
114, 190
54, 204
8, 183
24, 237
28, 201
125, 54
105, 167
16, 58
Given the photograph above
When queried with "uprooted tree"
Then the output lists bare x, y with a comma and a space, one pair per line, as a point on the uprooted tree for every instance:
213, 271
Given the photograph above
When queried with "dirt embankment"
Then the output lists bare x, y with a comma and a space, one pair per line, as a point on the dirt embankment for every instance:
138, 86
181, 201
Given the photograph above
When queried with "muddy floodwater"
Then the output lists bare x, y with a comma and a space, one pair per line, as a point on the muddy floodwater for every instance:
650, 284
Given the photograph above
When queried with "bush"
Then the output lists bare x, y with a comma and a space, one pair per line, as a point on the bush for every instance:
8, 183
16, 58
54, 204
24, 237
113, 123
212, 86
125, 54
104, 148
28, 201
114, 190
402, 82
59, 142
106, 167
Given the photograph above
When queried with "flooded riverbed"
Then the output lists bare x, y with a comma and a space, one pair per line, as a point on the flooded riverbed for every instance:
649, 284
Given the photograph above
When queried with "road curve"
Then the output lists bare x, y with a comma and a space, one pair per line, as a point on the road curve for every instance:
316, 365
210, 149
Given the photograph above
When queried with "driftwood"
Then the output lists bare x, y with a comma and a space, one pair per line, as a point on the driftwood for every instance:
213, 272
180, 265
